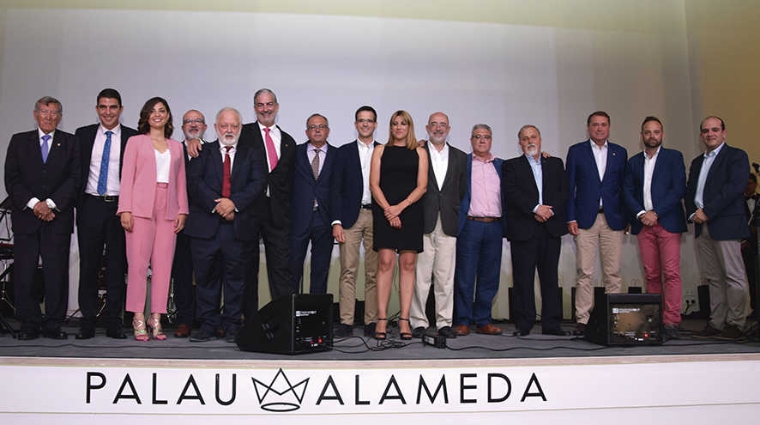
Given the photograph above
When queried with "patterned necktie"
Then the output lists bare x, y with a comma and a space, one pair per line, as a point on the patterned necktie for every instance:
226, 182
103, 177
44, 149
271, 152
315, 164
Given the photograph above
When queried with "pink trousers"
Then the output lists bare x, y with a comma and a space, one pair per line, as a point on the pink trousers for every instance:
150, 243
661, 256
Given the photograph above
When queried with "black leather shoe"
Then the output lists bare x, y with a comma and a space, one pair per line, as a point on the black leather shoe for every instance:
116, 333
418, 332
27, 335
85, 333
448, 332
203, 335
231, 336
521, 333
369, 329
55, 334
343, 331
555, 332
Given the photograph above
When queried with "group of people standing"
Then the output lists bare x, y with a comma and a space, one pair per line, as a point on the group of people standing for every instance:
199, 208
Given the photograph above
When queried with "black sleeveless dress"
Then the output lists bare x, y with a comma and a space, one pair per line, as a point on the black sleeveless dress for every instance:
398, 178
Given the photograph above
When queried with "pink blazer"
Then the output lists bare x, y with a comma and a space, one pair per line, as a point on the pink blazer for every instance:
138, 179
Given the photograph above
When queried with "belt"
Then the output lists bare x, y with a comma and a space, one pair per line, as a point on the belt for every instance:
105, 198
601, 210
484, 219
366, 206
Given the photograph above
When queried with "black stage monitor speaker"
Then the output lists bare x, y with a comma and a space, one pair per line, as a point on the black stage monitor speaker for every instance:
625, 319
292, 324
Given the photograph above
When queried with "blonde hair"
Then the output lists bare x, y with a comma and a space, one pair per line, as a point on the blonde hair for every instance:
411, 139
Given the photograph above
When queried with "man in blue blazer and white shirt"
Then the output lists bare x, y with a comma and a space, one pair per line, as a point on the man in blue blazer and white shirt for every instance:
98, 226
310, 206
655, 182
715, 204
595, 211
225, 180
352, 222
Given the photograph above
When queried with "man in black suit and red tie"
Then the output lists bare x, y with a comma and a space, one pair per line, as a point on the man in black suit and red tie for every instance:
223, 184
102, 148
536, 192
42, 175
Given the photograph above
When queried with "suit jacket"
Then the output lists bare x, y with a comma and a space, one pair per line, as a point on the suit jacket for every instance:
279, 180
26, 177
306, 188
723, 194
247, 178
448, 198
464, 206
668, 187
586, 188
521, 197
138, 179
348, 184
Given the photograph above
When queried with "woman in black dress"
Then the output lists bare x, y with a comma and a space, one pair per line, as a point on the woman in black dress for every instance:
397, 179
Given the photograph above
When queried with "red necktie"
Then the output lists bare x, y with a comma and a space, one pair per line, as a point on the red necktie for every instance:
271, 152
226, 183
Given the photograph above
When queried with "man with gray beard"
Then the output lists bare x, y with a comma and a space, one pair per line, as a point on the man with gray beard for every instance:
440, 204
223, 183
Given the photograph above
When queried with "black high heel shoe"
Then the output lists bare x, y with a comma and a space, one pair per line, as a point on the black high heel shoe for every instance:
406, 336
382, 336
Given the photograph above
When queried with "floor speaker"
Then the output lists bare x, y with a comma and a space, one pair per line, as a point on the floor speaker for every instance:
625, 319
292, 324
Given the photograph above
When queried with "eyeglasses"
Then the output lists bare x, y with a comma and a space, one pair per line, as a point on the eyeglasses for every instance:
194, 121
481, 137
47, 112
314, 127
365, 120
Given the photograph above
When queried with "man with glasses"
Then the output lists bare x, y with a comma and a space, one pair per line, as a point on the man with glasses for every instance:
42, 175
311, 206
98, 227
352, 222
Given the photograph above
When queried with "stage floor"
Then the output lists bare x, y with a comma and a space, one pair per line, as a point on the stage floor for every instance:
360, 348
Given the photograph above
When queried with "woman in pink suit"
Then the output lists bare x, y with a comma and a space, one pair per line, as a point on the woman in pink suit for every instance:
153, 208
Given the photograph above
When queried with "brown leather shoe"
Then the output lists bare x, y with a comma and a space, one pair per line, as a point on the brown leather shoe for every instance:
183, 331
488, 329
462, 330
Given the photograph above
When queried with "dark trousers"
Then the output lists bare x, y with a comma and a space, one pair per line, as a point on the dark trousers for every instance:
182, 275
227, 254
54, 249
99, 230
542, 252
478, 264
277, 251
319, 234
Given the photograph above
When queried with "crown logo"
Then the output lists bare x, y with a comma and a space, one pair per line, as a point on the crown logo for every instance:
282, 395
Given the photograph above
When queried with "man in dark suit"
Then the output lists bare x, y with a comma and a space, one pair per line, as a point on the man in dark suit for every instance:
193, 128
436, 264
714, 203
479, 238
655, 181
535, 196
310, 206
224, 182
102, 149
595, 211
749, 246
352, 223
42, 174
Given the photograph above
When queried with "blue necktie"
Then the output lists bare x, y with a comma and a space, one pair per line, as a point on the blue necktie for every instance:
44, 149
103, 177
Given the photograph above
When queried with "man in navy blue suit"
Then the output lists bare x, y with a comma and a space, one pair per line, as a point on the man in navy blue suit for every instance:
352, 222
715, 204
595, 211
310, 206
42, 178
225, 180
98, 226
479, 238
655, 182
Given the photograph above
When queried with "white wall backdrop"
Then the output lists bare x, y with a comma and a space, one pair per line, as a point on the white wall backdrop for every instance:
502, 75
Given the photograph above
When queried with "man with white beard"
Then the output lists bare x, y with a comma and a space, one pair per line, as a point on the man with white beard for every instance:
223, 182
447, 181
193, 128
